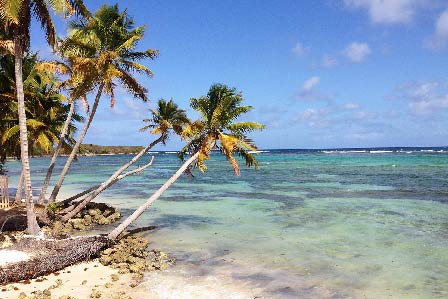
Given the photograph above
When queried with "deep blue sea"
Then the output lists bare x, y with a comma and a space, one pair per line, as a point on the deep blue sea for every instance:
346, 223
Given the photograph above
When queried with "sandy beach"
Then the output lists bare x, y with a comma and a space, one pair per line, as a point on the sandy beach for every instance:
93, 280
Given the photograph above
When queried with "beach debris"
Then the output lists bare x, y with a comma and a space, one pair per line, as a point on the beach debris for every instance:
94, 214
95, 294
131, 255
121, 295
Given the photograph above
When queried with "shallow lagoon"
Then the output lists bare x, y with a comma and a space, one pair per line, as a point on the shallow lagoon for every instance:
306, 224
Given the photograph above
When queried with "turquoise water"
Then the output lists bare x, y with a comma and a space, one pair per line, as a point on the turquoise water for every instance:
307, 224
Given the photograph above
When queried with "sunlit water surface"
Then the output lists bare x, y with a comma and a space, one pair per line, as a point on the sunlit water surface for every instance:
307, 224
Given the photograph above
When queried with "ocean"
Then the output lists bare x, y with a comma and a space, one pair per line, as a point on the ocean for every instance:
337, 223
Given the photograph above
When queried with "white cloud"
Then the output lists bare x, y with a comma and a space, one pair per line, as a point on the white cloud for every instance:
300, 50
329, 61
308, 92
310, 83
357, 52
426, 99
440, 36
442, 25
315, 118
388, 11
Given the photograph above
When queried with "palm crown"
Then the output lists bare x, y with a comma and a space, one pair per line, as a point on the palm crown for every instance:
102, 49
166, 117
217, 128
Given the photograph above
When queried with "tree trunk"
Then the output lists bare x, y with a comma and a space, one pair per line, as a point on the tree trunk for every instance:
33, 227
19, 190
75, 149
110, 181
117, 231
70, 199
56, 153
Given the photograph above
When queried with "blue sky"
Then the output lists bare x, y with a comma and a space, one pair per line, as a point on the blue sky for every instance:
319, 74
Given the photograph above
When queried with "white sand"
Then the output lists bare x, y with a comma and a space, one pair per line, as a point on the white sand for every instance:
11, 256
78, 281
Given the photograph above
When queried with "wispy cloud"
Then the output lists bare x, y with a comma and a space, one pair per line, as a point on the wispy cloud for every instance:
357, 52
271, 116
351, 106
309, 93
329, 61
365, 136
439, 39
388, 11
336, 116
300, 50
314, 118
426, 99
310, 83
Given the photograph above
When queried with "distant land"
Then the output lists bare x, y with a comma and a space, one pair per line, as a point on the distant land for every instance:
94, 149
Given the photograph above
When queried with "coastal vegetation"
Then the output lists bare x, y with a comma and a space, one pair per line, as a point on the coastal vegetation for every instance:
15, 19
98, 55
95, 149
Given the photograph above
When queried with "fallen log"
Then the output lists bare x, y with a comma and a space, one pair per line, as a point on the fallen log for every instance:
51, 255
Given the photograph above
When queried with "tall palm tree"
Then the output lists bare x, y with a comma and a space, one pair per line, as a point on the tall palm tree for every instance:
15, 18
102, 53
166, 119
61, 68
216, 129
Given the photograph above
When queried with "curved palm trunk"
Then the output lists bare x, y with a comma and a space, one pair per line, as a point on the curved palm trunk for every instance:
32, 226
112, 179
56, 153
117, 231
75, 149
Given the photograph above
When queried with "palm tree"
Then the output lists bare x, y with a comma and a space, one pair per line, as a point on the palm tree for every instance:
102, 51
44, 107
216, 129
167, 118
15, 18
62, 68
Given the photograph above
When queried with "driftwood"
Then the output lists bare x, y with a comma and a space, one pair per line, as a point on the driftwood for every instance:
50, 255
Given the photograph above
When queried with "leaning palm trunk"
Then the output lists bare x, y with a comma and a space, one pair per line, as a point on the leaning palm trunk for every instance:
32, 226
72, 198
56, 153
77, 145
117, 231
112, 179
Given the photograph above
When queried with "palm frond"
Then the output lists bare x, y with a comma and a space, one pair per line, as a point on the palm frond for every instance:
10, 133
53, 66
42, 13
132, 85
243, 128
150, 53
133, 66
6, 47
227, 146
10, 11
